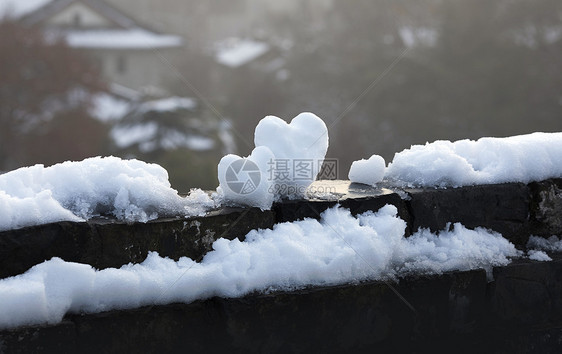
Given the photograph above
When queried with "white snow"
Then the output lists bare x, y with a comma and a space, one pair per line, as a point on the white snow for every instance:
236, 52
244, 180
369, 171
168, 104
127, 135
552, 244
287, 157
131, 38
130, 190
418, 36
175, 139
522, 158
338, 249
19, 8
148, 137
540, 256
109, 108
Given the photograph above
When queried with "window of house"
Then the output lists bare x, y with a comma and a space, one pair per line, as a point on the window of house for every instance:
121, 64
77, 20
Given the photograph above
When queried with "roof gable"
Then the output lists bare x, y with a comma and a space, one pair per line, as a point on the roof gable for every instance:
100, 7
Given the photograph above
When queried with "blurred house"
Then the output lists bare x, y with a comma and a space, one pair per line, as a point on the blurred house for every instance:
213, 20
128, 53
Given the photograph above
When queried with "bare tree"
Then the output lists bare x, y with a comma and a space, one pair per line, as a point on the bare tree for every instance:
42, 78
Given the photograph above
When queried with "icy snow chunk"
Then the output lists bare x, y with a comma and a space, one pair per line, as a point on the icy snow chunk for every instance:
337, 249
286, 160
522, 158
369, 171
131, 190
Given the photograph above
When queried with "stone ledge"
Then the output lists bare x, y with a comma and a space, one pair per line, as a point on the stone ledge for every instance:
458, 312
513, 209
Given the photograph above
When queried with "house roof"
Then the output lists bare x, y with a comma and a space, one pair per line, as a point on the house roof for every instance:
123, 33
54, 6
19, 8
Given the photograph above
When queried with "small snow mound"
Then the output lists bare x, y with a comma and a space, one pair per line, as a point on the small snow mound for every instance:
369, 171
540, 256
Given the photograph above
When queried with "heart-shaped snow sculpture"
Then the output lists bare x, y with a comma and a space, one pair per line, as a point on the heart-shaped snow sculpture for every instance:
299, 148
245, 180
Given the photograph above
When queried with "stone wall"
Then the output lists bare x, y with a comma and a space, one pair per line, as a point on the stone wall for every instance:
520, 310
513, 209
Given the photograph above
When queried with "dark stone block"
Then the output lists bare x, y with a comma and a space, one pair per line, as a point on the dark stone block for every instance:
105, 243
357, 318
358, 198
503, 208
528, 293
59, 338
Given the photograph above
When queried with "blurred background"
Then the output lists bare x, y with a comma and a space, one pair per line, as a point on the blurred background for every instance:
183, 82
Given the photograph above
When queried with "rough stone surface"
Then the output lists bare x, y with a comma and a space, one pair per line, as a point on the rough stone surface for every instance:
546, 207
334, 319
503, 208
520, 311
358, 198
105, 243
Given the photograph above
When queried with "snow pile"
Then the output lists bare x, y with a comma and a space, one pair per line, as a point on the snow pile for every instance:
130, 190
337, 249
522, 158
286, 160
369, 171
537, 255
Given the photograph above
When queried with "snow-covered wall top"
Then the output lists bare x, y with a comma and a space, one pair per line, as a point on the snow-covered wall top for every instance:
522, 158
129, 190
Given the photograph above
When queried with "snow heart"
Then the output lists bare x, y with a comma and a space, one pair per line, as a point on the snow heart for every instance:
245, 180
286, 160
299, 148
